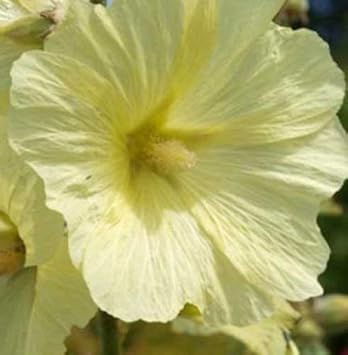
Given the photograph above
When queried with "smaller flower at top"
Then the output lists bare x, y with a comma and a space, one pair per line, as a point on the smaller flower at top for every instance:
23, 26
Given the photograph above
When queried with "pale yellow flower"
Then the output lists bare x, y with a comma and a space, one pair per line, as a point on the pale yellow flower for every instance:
188, 145
41, 294
23, 213
22, 204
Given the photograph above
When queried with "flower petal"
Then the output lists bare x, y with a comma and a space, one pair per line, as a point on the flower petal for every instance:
285, 85
150, 52
38, 6
147, 258
23, 200
22, 191
11, 10
9, 52
41, 305
65, 129
259, 205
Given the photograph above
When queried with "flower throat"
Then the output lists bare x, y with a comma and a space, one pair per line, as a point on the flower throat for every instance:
163, 155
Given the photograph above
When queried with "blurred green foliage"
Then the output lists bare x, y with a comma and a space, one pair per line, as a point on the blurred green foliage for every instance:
335, 228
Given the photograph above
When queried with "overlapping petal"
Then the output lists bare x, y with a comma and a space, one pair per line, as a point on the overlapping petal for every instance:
38, 6
151, 53
52, 105
285, 85
227, 68
259, 204
9, 52
163, 260
23, 201
22, 192
39, 305
11, 10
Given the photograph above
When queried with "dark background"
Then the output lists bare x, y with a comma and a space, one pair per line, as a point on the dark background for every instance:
330, 19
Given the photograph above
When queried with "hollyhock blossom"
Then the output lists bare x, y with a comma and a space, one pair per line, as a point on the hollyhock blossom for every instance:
189, 145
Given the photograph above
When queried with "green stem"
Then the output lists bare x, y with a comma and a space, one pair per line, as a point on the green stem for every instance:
108, 333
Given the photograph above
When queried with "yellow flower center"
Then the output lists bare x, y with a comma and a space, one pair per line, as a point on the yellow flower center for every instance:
12, 249
161, 154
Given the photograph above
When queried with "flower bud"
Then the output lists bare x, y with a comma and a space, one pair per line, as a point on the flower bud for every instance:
28, 23
294, 11
298, 5
308, 330
30, 29
331, 208
331, 313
